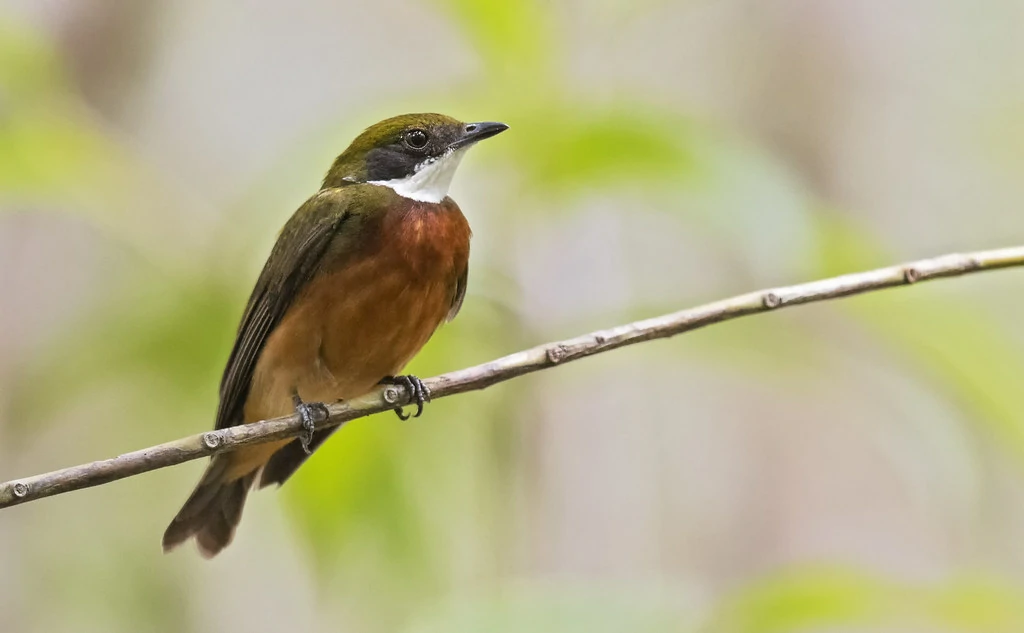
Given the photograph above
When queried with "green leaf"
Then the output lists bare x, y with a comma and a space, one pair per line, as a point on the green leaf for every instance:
805, 599
29, 65
514, 39
799, 600
49, 147
173, 334
51, 155
570, 152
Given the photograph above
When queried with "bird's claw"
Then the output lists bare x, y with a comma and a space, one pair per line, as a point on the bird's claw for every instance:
418, 393
311, 413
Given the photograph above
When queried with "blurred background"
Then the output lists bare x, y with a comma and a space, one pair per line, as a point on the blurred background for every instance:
850, 466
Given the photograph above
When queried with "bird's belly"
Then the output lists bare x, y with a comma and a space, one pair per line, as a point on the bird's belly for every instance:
375, 331
349, 329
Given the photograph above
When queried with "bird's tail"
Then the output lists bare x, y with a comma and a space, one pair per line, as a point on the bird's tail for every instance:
212, 512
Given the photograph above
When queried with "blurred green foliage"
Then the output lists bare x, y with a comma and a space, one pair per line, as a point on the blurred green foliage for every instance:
802, 599
171, 322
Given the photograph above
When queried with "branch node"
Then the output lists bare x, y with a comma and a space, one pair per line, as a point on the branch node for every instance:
556, 354
599, 339
391, 395
211, 440
771, 300
20, 490
911, 274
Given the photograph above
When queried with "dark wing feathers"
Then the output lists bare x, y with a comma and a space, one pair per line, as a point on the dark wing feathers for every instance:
292, 262
286, 461
460, 294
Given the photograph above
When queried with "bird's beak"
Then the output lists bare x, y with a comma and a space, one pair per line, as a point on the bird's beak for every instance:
474, 132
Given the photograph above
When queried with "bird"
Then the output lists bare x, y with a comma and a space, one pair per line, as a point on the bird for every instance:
358, 280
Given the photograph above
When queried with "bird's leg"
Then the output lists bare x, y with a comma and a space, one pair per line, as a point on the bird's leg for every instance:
417, 391
311, 413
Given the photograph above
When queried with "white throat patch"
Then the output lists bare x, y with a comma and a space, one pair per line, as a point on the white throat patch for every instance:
430, 181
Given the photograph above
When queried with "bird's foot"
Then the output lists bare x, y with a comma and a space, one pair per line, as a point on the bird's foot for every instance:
311, 413
417, 391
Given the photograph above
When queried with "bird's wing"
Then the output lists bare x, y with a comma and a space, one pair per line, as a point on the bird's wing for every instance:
293, 260
460, 294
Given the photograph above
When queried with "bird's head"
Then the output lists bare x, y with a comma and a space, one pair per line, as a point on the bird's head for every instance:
414, 154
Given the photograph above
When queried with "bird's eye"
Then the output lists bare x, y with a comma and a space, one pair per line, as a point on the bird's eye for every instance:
416, 139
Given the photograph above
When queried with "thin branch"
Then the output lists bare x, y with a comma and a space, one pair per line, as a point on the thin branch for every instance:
502, 369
